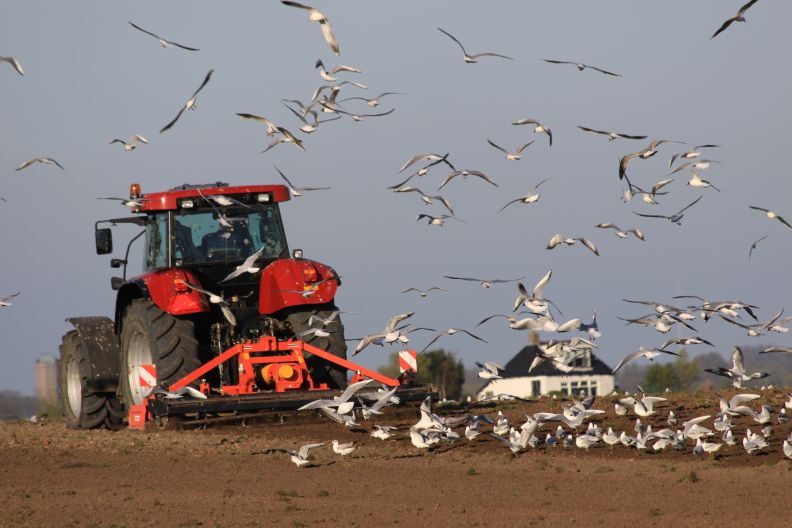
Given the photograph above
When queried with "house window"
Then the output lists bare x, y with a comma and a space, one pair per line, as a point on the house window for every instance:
593, 388
583, 391
536, 388
564, 388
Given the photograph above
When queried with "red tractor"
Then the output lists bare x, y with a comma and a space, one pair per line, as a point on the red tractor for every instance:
219, 301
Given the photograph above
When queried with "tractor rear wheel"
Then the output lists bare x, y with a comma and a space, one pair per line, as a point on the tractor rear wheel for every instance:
151, 336
322, 371
83, 408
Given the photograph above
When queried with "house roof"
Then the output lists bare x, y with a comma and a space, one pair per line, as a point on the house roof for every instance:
517, 367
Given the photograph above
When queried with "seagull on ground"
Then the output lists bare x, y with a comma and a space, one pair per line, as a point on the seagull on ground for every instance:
132, 143
611, 135
328, 75
383, 432
512, 156
314, 15
472, 58
739, 17
581, 66
343, 449
301, 458
771, 215
484, 283
190, 104
619, 232
164, 43
15, 63
5, 301
648, 353
43, 161
675, 218
529, 198
465, 173
539, 128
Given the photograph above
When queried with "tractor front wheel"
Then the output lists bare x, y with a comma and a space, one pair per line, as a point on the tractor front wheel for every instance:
83, 408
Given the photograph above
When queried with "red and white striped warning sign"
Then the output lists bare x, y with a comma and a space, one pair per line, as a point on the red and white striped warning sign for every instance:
147, 375
408, 360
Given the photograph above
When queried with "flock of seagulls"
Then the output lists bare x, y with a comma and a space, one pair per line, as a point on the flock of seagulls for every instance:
326, 101
578, 425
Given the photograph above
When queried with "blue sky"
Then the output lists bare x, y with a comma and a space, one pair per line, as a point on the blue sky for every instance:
90, 78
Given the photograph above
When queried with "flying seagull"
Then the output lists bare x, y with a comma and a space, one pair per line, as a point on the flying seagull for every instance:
465, 173
297, 191
539, 128
770, 214
127, 202
248, 266
695, 164
328, 75
473, 58
374, 101
512, 156
675, 218
15, 63
424, 293
529, 198
190, 104
696, 181
165, 43
693, 153
389, 335
753, 246
559, 239
489, 370
485, 283
434, 159
132, 143
648, 353
218, 300
44, 161
314, 15
437, 220
739, 17
611, 135
307, 127
5, 301
450, 331
619, 232
646, 153
272, 128
582, 67
427, 199
737, 373
286, 137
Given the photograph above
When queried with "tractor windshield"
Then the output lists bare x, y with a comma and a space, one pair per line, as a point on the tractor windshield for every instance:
226, 234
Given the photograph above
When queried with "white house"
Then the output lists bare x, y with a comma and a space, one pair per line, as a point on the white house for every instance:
590, 376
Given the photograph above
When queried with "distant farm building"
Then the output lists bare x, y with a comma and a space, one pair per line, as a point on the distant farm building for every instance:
47, 379
590, 376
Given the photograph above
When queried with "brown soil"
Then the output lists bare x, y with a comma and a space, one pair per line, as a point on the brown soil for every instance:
51, 476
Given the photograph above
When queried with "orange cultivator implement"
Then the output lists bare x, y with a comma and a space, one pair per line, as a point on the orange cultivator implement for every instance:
272, 376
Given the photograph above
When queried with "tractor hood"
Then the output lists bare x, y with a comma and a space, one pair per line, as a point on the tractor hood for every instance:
295, 282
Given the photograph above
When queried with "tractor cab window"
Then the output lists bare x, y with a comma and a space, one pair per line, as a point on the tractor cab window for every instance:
227, 234
156, 242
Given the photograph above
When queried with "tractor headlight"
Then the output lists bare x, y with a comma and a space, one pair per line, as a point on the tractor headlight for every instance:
187, 204
263, 197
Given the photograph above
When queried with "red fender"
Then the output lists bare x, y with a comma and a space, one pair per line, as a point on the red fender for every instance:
284, 281
166, 292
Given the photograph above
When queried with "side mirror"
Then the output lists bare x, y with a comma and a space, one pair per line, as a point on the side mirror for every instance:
117, 263
104, 241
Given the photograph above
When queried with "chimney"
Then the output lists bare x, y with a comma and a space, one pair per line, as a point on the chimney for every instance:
533, 338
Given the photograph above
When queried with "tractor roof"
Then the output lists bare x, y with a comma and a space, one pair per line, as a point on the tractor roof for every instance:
163, 201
